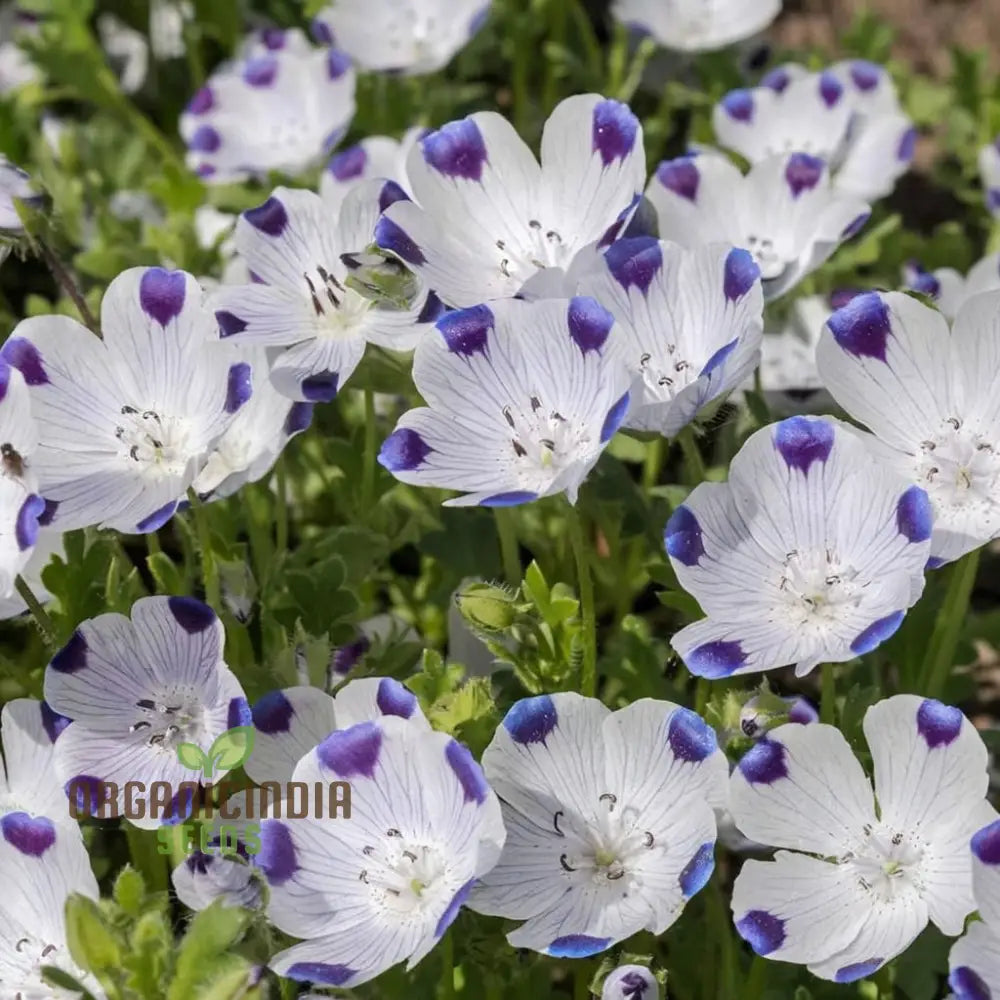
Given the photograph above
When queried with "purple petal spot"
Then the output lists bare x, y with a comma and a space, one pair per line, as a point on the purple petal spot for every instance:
862, 327
877, 633
337, 64
589, 323
968, 985
23, 355
350, 163
161, 294
352, 752
346, 658
238, 713
830, 89
866, 75
273, 38
511, 499
764, 763
198, 863
272, 713
203, 100
803, 172
451, 911
299, 418
935, 562
333, 139
192, 615
680, 176
986, 844
456, 150
719, 357
239, 387
4, 378
993, 199
857, 970
88, 795
270, 218
46, 517
389, 194
320, 972
403, 450
698, 871
321, 387
204, 170
394, 699
530, 720
179, 808
614, 417
26, 527
801, 441
433, 309
763, 931
467, 331
715, 659
633, 985
802, 712
260, 71
276, 857
320, 31
939, 724
855, 226
205, 140
52, 722
72, 658
468, 772
741, 273
738, 104
914, 516
682, 537
691, 739
921, 280
577, 946
614, 131
156, 520
27, 835
229, 323
907, 146
389, 236
777, 80
635, 261
625, 218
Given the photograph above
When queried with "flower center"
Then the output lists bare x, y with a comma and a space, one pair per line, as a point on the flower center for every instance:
339, 310
816, 586
158, 442
959, 467
405, 876
539, 247
544, 441
665, 379
887, 863
174, 717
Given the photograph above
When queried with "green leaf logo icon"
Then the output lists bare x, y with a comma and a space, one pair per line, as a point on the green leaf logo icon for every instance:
230, 750
190, 755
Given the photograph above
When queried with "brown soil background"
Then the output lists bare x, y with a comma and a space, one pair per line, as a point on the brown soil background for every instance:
925, 29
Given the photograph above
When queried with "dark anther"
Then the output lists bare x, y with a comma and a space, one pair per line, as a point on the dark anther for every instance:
368, 851
508, 416
536, 403
411, 856
146, 703
363, 877
608, 797
648, 840
519, 449
393, 832
614, 876
566, 865
129, 409
555, 823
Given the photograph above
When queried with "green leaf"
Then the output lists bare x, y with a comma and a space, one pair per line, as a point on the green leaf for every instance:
191, 756
64, 981
210, 934
129, 891
230, 750
92, 943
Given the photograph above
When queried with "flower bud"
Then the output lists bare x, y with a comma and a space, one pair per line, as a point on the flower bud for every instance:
631, 982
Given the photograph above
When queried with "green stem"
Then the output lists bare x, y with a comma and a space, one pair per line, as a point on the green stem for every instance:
585, 584
448, 967
828, 695
281, 486
701, 694
146, 858
68, 284
883, 982
153, 543
693, 462
509, 552
42, 619
371, 444
651, 466
948, 627
519, 83
757, 980
209, 569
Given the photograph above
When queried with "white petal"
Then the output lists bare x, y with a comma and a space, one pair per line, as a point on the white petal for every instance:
288, 725
974, 962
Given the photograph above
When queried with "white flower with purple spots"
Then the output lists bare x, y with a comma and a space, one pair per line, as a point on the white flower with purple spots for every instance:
127, 423
487, 217
282, 107
975, 959
292, 722
303, 256
415, 37
784, 211
136, 689
609, 816
41, 865
811, 553
697, 25
48, 543
948, 288
384, 886
28, 783
630, 982
929, 395
854, 882
847, 115
692, 322
989, 172
258, 434
522, 398
15, 185
379, 157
